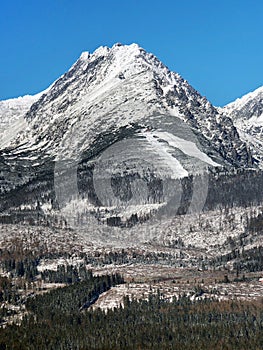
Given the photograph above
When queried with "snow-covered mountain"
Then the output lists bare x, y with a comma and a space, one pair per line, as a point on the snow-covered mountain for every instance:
114, 87
247, 115
119, 127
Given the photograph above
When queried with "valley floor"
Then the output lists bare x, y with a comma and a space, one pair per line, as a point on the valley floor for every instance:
49, 273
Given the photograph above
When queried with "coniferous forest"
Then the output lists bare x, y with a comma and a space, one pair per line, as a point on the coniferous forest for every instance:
57, 321
64, 318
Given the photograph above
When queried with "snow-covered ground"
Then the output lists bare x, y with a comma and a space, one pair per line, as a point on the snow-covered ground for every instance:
187, 147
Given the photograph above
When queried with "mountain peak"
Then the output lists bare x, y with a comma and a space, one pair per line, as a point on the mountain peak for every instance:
85, 55
117, 49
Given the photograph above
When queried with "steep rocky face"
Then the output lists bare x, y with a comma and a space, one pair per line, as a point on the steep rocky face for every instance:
116, 132
247, 115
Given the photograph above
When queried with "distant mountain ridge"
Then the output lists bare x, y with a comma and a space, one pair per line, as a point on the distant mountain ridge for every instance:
247, 115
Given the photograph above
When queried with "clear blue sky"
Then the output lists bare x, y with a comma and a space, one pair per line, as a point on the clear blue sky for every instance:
217, 45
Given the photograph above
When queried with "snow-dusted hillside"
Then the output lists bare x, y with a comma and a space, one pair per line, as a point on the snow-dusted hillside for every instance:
12, 109
247, 115
12, 117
